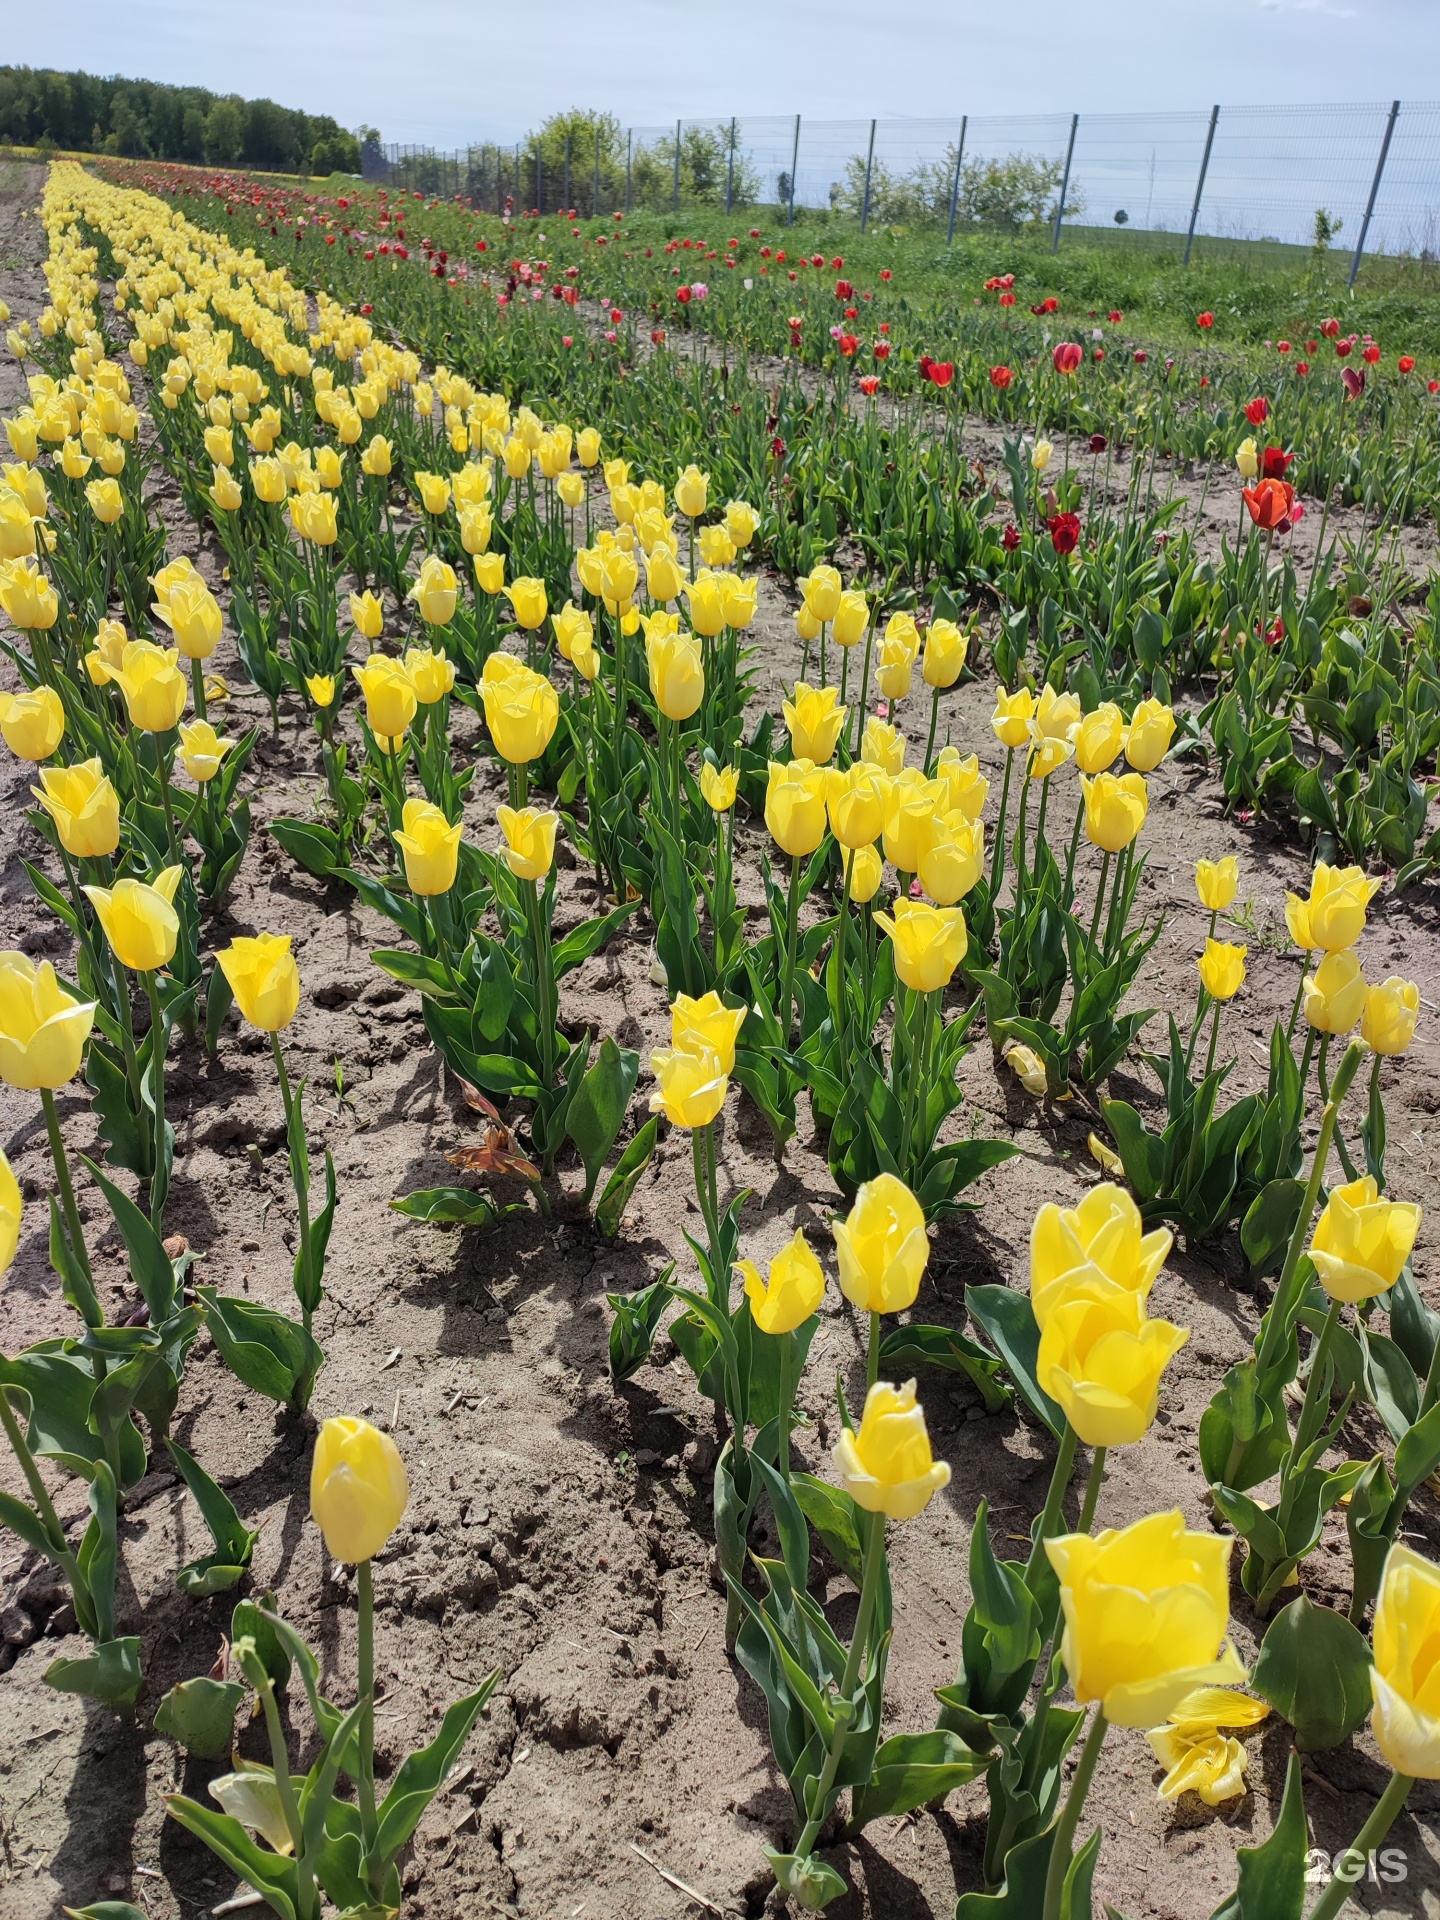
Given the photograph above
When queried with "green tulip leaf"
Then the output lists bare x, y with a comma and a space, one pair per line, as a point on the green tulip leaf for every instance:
1314, 1668
200, 1714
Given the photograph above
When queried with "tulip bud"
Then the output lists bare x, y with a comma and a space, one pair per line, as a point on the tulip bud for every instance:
1391, 1010
718, 786
1217, 882
1222, 969
358, 1489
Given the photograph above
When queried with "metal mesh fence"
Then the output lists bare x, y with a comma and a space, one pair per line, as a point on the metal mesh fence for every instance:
1259, 172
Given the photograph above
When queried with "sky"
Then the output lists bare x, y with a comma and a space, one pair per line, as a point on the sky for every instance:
446, 73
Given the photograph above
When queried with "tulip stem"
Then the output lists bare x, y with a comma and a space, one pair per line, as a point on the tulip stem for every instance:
1071, 856
787, 982
1099, 899
842, 927
197, 685
872, 1352
787, 1396
299, 1175
997, 858
1069, 1816
934, 717
365, 1658
702, 1153
1387, 1807
172, 838
159, 1175
1092, 1490
1299, 995
63, 1181
844, 1706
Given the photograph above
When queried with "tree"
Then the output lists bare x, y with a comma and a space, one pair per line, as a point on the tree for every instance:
225, 131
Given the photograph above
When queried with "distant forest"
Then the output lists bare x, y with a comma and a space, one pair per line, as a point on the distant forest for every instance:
144, 119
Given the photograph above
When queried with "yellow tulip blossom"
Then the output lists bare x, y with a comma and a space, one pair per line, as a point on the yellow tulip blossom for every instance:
430, 846
883, 746
718, 786
1333, 917
32, 724
821, 589
1101, 1359
153, 686
12, 1209
431, 674
1217, 882
264, 979
1116, 806
1222, 969
390, 700
1099, 738
27, 596
856, 800
882, 1247
43, 1029
886, 1465
864, 869
434, 591
945, 649
1391, 1010
367, 615
84, 806
852, 617
202, 750
969, 788
1101, 1240
795, 806
1012, 716
911, 805
692, 491
434, 491
107, 502
1148, 737
928, 942
815, 720
527, 598
707, 1022
690, 1085
1335, 995
358, 1488
529, 849
193, 615
1361, 1241
139, 919
1405, 1678
321, 688
792, 1290
677, 673
953, 857
741, 522
522, 709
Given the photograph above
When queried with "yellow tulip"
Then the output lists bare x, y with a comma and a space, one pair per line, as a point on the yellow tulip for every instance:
434, 491
883, 746
1210, 1764
517, 457
1099, 738
655, 528
886, 1465
529, 849
865, 869
193, 615
968, 786
490, 572
945, 649
358, 1488
718, 786
929, 942
1405, 1678
29, 484
476, 526
267, 477
313, 517
692, 490
390, 701
431, 674
263, 978
741, 522
1336, 993
1012, 716
881, 1247
1247, 458
527, 598
431, 847
707, 1022
586, 661
139, 919
1048, 754
664, 578
911, 805
1391, 1010
822, 588
856, 800
587, 446
434, 591
42, 1029
1057, 715
522, 709
1148, 737
107, 656
84, 806
619, 577
1101, 1360
706, 599
202, 750
791, 1291
1222, 969
1029, 1069
1146, 1608
27, 596
32, 724
852, 617
1333, 918
795, 806
225, 492
12, 1209
717, 549
377, 457
572, 626
17, 529
807, 627
894, 667
1115, 809
1102, 1242
953, 857
107, 502
367, 615
1217, 882
815, 720
1040, 455
1361, 1242
738, 600
677, 673
616, 473
690, 1086
75, 463
321, 688
153, 686
329, 465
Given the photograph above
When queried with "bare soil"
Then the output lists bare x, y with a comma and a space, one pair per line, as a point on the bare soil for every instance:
560, 1527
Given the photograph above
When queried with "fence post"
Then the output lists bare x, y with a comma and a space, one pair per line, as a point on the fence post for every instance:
955, 183
1200, 183
595, 202
869, 163
794, 162
1374, 190
677, 166
539, 180
730, 172
569, 136
629, 142
1064, 185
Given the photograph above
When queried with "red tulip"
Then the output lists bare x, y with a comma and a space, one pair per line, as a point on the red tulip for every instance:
1097, 354
1342, 349
1268, 502
1302, 366
848, 345
1001, 377
1064, 532
1432, 386
1370, 355
1406, 363
1098, 443
844, 290
1141, 356
1068, 357
940, 372
882, 349
1353, 379
1010, 539
777, 448
869, 383
682, 294
657, 336
1257, 411
1273, 463
885, 273
1205, 321
1330, 329
1007, 299
1115, 316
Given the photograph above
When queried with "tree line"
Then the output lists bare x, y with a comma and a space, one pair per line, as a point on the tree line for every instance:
146, 119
